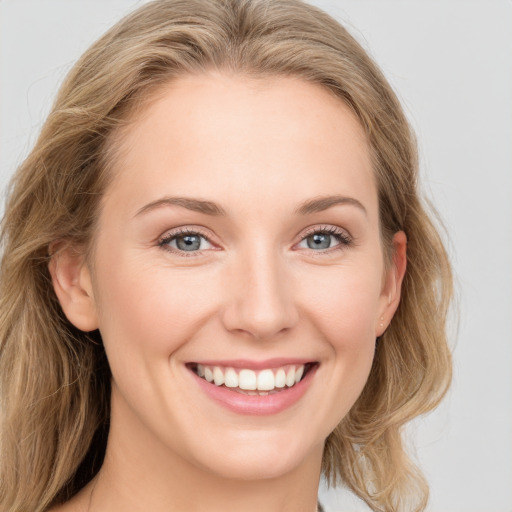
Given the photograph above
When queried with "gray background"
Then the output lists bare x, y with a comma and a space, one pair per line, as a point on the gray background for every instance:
450, 62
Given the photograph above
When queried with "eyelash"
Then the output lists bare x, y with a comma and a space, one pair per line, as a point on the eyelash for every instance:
341, 236
169, 237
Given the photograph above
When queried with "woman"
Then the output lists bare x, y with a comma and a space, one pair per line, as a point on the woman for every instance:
218, 279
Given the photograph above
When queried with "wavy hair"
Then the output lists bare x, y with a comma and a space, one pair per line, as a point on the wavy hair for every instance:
55, 380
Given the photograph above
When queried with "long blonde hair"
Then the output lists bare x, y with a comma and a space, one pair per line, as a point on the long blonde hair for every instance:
55, 380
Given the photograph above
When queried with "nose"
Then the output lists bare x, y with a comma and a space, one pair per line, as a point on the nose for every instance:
260, 300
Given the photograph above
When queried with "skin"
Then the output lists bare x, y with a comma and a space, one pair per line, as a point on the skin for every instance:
255, 290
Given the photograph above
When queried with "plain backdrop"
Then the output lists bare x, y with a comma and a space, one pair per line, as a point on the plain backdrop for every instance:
450, 62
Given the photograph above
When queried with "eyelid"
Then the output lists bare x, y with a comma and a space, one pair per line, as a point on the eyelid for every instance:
325, 228
170, 234
344, 237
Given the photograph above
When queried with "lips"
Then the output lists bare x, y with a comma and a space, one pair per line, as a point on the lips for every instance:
247, 390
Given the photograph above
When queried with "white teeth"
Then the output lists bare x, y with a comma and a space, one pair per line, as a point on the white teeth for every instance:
251, 382
290, 377
218, 376
266, 380
247, 379
208, 374
280, 379
231, 378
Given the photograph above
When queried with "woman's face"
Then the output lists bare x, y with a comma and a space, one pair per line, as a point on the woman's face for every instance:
239, 241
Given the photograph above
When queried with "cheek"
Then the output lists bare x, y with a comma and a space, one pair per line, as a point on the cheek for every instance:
147, 314
342, 308
151, 309
346, 314
346, 306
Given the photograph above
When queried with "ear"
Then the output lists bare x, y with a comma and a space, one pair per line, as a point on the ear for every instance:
73, 286
392, 285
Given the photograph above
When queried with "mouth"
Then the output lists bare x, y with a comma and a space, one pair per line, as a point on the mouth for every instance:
246, 381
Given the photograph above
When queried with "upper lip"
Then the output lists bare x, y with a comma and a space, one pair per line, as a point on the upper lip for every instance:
254, 365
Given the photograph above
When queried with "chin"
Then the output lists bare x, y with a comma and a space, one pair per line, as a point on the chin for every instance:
258, 457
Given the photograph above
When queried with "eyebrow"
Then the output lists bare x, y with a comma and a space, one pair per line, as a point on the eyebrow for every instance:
320, 204
196, 205
310, 206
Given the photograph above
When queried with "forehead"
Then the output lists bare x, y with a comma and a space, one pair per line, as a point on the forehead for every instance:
227, 132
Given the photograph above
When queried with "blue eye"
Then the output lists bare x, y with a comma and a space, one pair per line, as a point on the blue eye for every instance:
323, 239
186, 241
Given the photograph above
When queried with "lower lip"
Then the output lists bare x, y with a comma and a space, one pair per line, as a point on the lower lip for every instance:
257, 405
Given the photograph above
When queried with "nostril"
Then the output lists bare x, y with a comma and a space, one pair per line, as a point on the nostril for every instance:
260, 322
259, 302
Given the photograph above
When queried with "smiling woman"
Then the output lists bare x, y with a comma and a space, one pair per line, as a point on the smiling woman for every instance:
218, 221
